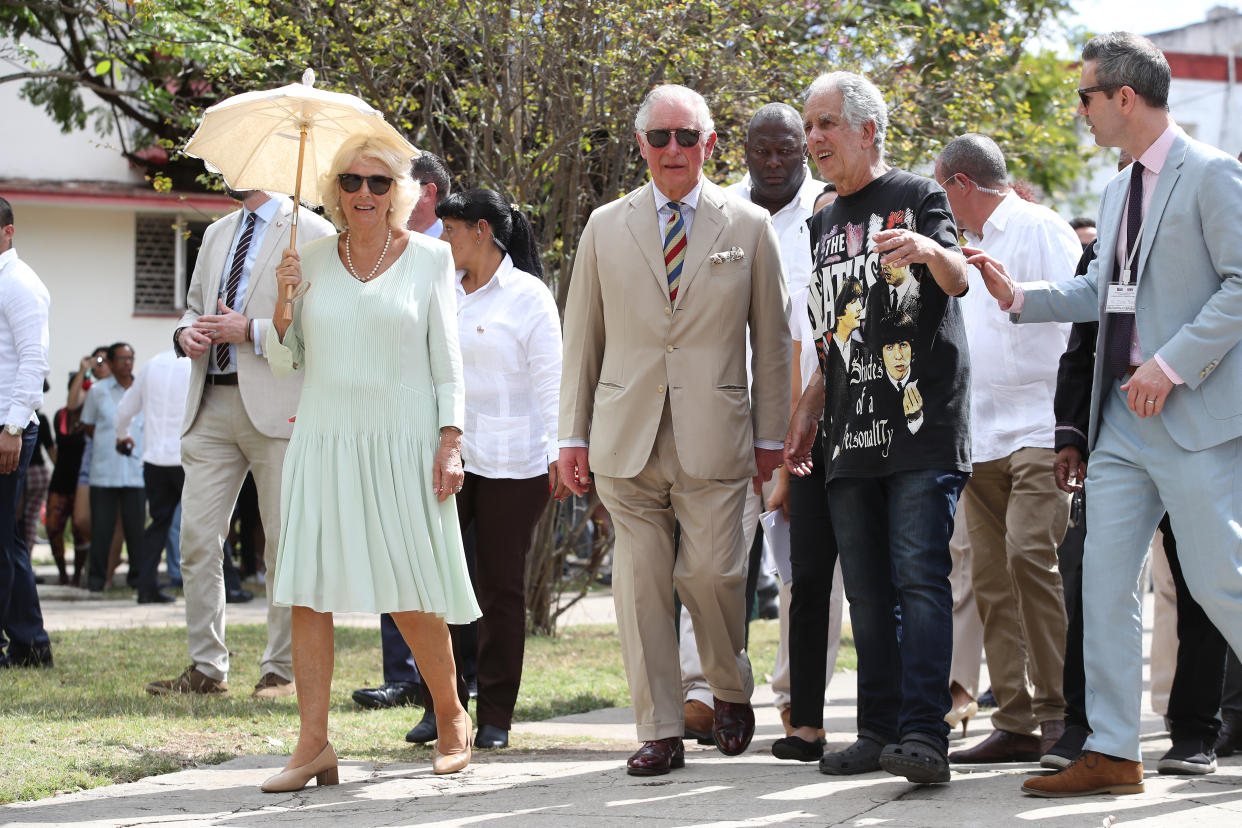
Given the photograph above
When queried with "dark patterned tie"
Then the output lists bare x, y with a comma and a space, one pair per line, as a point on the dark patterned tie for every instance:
230, 290
674, 248
1121, 325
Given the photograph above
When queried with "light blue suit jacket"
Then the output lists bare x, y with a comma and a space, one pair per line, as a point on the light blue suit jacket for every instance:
1189, 305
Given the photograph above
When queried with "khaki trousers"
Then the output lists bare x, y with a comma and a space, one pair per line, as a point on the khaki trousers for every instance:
1017, 517
216, 453
967, 626
709, 573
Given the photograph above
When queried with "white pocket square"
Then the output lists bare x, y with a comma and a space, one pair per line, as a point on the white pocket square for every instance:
733, 254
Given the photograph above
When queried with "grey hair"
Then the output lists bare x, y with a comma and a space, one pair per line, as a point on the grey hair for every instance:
1126, 59
977, 157
862, 102
669, 92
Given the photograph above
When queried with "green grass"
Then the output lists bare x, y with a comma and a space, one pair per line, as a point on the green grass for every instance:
87, 722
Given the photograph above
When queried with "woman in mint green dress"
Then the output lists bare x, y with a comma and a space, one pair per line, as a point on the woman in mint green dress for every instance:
368, 521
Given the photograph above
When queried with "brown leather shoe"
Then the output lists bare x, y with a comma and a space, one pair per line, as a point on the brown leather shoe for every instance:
1001, 746
1050, 732
272, 686
191, 681
699, 721
1091, 773
657, 757
734, 725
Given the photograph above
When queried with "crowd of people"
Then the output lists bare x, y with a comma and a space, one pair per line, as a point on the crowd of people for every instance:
851, 360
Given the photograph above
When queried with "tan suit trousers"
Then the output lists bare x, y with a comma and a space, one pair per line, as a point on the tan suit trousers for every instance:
216, 452
1017, 517
709, 573
967, 626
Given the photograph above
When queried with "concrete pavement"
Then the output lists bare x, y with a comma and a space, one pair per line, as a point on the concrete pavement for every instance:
583, 783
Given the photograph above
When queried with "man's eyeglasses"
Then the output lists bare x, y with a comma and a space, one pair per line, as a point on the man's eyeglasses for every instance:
1085, 92
685, 137
352, 183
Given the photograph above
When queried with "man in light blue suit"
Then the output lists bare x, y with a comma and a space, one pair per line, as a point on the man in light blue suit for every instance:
1166, 407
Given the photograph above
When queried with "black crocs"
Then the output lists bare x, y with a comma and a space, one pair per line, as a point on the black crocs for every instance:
861, 757
917, 761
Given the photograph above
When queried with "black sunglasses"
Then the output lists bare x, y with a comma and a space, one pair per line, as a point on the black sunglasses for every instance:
659, 137
1084, 93
352, 183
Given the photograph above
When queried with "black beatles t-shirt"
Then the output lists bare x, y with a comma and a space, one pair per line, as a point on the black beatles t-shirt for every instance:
891, 343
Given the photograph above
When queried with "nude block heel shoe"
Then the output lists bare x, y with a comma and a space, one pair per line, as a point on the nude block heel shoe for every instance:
443, 763
322, 769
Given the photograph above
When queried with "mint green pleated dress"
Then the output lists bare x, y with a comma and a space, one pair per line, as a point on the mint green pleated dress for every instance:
360, 527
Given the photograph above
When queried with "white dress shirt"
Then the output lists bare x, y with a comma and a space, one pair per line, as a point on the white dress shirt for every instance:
1014, 367
790, 223
263, 219
158, 392
510, 336
24, 304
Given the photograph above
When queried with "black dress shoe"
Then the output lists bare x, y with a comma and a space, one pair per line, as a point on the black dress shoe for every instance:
156, 598
424, 731
389, 694
798, 749
238, 596
657, 757
734, 725
491, 737
21, 656
1230, 739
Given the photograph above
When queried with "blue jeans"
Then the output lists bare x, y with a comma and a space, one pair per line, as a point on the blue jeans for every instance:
893, 536
172, 547
21, 617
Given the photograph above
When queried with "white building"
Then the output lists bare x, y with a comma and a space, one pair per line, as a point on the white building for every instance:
115, 255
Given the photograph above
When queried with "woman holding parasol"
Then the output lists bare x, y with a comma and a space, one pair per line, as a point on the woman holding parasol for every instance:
368, 522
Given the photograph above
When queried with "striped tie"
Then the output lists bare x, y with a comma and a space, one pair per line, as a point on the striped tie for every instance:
230, 292
674, 248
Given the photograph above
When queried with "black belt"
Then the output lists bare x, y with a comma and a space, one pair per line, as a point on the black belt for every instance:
222, 379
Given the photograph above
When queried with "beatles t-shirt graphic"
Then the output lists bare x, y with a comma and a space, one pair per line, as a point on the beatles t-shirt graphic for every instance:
890, 342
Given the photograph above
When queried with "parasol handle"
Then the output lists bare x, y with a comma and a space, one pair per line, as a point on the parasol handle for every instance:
287, 296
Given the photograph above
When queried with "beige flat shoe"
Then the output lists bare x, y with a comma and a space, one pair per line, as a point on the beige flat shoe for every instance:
322, 769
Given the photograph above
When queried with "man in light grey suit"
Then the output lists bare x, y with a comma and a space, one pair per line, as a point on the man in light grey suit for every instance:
1166, 405
236, 419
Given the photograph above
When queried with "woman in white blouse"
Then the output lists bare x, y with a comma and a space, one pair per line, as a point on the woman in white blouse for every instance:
510, 336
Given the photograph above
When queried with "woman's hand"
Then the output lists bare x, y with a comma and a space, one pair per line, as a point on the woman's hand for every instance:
288, 274
446, 471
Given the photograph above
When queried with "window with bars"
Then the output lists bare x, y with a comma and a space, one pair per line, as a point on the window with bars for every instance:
165, 249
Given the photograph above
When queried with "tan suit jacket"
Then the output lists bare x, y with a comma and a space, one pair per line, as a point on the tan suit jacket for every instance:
269, 401
627, 346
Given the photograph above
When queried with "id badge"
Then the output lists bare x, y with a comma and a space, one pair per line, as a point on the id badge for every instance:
1121, 298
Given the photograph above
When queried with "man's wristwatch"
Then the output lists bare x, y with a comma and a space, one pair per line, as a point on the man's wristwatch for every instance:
15, 430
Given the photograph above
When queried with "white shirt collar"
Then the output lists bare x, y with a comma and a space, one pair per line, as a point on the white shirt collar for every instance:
504, 272
8, 256
691, 199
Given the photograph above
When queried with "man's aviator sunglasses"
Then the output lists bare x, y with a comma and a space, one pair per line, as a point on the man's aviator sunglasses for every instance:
685, 137
352, 183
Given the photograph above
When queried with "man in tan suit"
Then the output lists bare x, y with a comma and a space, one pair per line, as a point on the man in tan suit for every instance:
668, 282
236, 419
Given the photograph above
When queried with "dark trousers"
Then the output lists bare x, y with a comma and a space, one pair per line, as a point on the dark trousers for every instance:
812, 558
1069, 561
19, 599
106, 501
1199, 676
163, 490
502, 513
1231, 699
398, 660
893, 537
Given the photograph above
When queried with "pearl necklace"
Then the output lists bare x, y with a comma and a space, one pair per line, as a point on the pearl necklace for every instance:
349, 259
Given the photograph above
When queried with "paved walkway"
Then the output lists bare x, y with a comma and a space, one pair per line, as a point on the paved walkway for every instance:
583, 782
